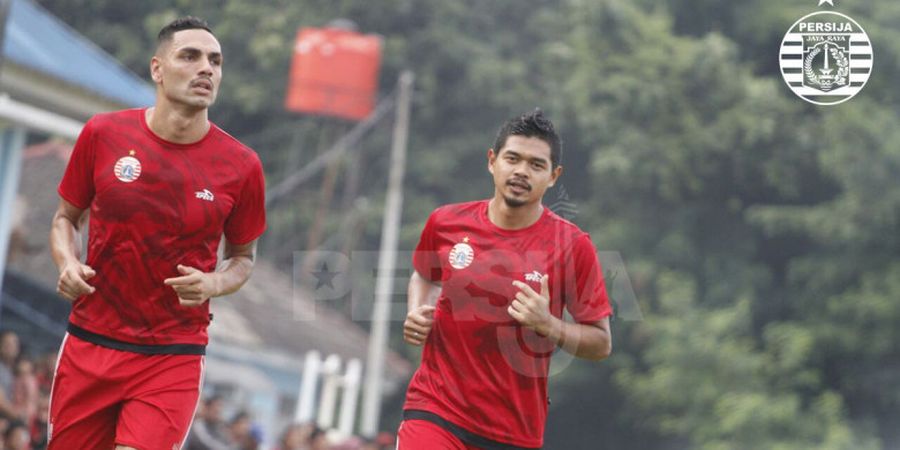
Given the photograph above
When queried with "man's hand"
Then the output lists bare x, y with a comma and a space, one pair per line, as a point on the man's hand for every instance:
73, 281
193, 288
418, 325
530, 309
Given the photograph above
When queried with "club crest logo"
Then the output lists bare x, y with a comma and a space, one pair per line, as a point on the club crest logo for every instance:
461, 255
127, 168
826, 58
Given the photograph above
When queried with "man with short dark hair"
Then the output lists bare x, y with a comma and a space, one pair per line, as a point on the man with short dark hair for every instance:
486, 299
163, 185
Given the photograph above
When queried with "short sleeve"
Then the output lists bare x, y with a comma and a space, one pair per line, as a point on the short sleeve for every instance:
425, 258
77, 185
247, 220
590, 302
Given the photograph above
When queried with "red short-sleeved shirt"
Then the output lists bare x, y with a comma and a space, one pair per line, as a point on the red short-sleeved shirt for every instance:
153, 205
480, 369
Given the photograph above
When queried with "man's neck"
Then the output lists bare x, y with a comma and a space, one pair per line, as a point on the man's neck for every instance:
178, 125
513, 218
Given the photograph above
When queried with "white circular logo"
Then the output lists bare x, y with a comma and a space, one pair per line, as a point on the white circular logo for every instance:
461, 255
127, 169
826, 58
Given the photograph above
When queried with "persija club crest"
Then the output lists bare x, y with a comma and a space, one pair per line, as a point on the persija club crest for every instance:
461, 255
826, 58
127, 169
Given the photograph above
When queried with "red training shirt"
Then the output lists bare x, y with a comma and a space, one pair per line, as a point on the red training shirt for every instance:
481, 370
153, 205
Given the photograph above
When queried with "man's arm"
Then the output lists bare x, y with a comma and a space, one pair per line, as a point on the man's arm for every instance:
420, 300
532, 310
195, 287
65, 247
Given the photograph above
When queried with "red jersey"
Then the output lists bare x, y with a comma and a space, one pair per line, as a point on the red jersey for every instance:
153, 205
482, 371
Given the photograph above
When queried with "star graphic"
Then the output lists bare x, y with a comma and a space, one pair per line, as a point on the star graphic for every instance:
822, 2
324, 277
466, 239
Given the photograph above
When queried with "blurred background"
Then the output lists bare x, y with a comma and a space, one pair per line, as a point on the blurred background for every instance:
759, 233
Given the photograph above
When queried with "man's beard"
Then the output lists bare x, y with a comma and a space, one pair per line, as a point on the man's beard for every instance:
513, 202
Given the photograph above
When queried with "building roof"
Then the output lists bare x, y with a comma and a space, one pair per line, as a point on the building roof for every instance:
39, 41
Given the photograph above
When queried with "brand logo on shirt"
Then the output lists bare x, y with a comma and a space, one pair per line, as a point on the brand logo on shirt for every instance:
205, 195
127, 168
534, 276
462, 254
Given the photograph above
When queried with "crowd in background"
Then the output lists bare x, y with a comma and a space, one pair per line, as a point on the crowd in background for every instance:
211, 431
25, 383
24, 395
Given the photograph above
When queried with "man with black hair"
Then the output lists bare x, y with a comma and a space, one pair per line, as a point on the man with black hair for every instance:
163, 185
486, 300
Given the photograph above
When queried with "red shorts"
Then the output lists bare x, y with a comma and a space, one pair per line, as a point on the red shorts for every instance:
424, 435
103, 397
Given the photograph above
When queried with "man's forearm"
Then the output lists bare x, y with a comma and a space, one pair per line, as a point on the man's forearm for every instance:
421, 292
234, 272
582, 340
65, 241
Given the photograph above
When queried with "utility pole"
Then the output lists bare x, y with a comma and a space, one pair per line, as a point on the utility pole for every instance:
387, 259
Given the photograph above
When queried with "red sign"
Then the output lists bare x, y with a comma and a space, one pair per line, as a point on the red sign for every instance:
334, 73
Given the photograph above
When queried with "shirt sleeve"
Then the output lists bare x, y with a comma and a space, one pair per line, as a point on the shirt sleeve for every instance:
77, 185
425, 258
247, 220
590, 302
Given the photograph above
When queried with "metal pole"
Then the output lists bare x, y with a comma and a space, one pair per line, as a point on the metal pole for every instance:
278, 192
12, 139
386, 261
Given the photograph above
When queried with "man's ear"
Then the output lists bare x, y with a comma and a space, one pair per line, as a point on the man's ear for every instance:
491, 157
554, 175
155, 73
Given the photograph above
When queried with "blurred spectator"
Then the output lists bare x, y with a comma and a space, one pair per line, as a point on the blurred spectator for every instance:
208, 430
44, 369
9, 353
241, 430
296, 437
318, 440
39, 424
17, 437
4, 425
351, 443
384, 441
25, 391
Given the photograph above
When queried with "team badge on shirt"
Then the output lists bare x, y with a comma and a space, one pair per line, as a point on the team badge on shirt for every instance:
127, 168
462, 254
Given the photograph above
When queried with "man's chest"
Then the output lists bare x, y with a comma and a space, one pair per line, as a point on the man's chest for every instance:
183, 189
479, 269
